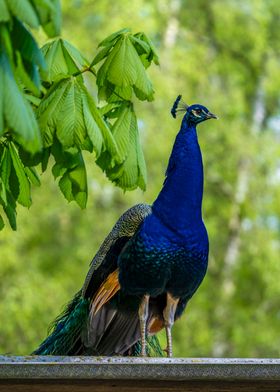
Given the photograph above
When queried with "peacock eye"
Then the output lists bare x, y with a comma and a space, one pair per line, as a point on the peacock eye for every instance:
198, 111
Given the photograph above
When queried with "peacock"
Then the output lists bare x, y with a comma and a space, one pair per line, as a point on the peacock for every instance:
147, 268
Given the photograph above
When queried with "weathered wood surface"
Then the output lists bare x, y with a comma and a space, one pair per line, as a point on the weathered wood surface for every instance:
92, 374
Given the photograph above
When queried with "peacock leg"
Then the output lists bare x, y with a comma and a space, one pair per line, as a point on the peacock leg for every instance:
168, 316
143, 316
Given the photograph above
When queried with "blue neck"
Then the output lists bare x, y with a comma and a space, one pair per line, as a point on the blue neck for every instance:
179, 203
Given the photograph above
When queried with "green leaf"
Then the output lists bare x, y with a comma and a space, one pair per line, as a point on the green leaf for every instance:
8, 185
123, 92
140, 44
111, 38
25, 77
4, 13
54, 26
105, 92
143, 49
104, 161
24, 42
1, 101
33, 100
142, 84
101, 77
101, 55
2, 224
109, 141
73, 183
142, 170
70, 126
52, 102
32, 175
49, 12
153, 56
6, 42
93, 131
45, 158
5, 170
87, 145
62, 59
132, 172
48, 134
49, 109
23, 10
65, 186
3, 192
17, 112
70, 165
121, 130
13, 185
143, 88
79, 185
69, 109
10, 211
129, 175
75, 54
24, 196
29, 159
123, 69
65, 157
56, 64
109, 108
58, 170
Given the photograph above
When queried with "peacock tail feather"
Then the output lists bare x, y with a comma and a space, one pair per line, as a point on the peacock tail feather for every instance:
65, 332
153, 348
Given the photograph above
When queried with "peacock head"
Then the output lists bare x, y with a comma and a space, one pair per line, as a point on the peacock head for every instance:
194, 114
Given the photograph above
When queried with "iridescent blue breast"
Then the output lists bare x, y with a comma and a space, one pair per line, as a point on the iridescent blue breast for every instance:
154, 267
187, 272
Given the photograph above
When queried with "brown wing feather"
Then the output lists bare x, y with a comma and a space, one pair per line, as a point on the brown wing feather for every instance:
156, 325
105, 292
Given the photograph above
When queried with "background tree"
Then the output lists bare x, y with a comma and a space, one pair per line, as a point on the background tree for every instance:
226, 57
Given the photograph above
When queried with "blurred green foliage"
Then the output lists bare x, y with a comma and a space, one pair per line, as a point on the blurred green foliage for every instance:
224, 55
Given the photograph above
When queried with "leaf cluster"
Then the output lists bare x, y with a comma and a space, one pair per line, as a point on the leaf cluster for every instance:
21, 65
122, 73
47, 111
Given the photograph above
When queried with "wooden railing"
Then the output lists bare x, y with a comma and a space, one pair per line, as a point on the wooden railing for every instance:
46, 373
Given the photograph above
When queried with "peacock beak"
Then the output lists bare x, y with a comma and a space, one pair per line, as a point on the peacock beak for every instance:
211, 115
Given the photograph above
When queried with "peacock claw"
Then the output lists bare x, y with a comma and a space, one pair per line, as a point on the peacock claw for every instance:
143, 350
168, 352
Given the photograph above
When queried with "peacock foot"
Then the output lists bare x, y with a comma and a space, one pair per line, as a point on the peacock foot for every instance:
143, 316
168, 316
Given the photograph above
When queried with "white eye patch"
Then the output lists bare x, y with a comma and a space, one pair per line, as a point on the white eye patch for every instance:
196, 114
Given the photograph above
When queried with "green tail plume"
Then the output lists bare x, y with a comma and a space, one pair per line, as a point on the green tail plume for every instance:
153, 347
66, 329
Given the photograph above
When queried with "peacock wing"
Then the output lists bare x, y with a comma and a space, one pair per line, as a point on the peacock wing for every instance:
105, 261
101, 284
